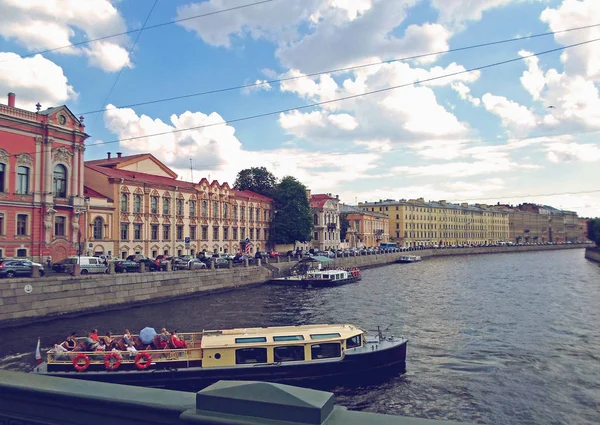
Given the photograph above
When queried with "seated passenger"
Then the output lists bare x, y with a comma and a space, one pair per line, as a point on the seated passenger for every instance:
90, 344
127, 337
176, 342
94, 335
101, 346
108, 340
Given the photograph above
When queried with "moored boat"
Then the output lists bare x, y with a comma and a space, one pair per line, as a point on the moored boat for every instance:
320, 278
287, 354
409, 259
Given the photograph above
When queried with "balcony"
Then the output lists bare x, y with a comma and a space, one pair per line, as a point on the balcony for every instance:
331, 227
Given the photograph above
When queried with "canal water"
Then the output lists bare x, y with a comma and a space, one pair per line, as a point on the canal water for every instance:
494, 339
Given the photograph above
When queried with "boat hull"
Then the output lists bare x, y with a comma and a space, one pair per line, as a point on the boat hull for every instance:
371, 361
314, 283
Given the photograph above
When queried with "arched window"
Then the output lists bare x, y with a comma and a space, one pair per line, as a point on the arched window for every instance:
22, 181
60, 181
204, 209
225, 211
98, 228
215, 209
124, 202
316, 220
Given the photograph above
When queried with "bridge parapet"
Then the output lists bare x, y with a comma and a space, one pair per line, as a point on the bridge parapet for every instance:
28, 399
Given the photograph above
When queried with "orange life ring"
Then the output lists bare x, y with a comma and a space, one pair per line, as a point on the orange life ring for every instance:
112, 361
81, 367
147, 360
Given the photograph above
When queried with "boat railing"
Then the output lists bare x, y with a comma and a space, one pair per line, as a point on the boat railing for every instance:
99, 357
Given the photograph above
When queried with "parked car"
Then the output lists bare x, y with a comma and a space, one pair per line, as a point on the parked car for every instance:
161, 262
126, 266
222, 263
149, 263
88, 265
62, 266
15, 268
240, 258
195, 264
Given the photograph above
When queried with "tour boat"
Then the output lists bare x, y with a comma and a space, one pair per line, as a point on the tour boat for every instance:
286, 354
320, 278
409, 259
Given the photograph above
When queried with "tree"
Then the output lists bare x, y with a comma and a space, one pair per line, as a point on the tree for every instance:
344, 225
594, 230
256, 179
292, 219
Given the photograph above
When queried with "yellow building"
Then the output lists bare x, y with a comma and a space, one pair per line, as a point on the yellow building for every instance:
142, 208
418, 223
365, 228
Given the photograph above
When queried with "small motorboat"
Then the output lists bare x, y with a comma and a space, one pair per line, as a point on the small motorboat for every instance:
409, 259
320, 278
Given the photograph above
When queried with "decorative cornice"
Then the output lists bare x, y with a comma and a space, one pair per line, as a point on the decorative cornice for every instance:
61, 154
24, 159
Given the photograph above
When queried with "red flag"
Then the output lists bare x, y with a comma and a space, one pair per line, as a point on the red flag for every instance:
38, 354
248, 248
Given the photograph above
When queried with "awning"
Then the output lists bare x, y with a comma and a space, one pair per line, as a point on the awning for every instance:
317, 258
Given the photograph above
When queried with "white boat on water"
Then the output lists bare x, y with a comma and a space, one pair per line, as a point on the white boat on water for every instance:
321, 278
409, 259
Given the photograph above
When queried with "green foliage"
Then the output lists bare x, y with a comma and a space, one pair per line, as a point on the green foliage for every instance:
594, 230
344, 225
256, 179
292, 220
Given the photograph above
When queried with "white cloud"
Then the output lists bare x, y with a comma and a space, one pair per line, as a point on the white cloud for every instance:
459, 11
258, 86
513, 115
573, 152
465, 93
48, 24
34, 80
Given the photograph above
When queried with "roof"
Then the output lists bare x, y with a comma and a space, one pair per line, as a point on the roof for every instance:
318, 201
89, 192
105, 162
222, 338
351, 209
317, 258
252, 195
141, 177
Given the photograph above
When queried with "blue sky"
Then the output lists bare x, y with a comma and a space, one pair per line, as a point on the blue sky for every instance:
484, 137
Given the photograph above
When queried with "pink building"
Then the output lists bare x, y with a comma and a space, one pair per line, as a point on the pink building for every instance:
42, 202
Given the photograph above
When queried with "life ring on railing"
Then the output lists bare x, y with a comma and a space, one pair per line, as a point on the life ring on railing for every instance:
146, 363
76, 362
112, 361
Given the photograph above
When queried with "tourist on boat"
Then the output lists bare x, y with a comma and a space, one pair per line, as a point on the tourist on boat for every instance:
94, 335
162, 340
67, 345
176, 342
127, 338
101, 346
108, 339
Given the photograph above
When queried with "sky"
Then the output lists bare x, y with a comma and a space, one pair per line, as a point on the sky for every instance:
399, 103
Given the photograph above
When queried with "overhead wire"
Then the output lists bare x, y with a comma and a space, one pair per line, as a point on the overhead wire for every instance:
340, 70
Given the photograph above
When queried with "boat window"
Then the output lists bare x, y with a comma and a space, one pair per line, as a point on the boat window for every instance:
325, 276
250, 355
325, 351
324, 336
250, 339
353, 342
292, 353
288, 338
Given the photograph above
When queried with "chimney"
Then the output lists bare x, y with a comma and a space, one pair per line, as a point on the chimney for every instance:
108, 155
11, 99
119, 154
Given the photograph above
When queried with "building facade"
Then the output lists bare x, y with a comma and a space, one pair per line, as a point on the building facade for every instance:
531, 223
156, 214
365, 228
42, 201
418, 223
325, 210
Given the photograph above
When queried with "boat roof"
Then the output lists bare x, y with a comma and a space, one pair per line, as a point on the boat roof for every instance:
260, 336
318, 258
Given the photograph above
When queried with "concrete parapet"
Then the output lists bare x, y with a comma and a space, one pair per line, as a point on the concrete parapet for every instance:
59, 400
36, 271
593, 253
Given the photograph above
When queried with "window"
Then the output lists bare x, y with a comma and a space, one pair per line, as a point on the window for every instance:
98, 228
266, 215
193, 233
215, 210
243, 213
1, 227
235, 233
250, 339
250, 355
251, 213
243, 233
353, 342
324, 336
137, 231
124, 202
204, 233
192, 208
325, 351
225, 233
60, 181
225, 211
125, 231
154, 233
179, 232
288, 338
316, 220
21, 225
2, 177
316, 236
257, 214
154, 205
180, 207
166, 206
166, 232
22, 180
22, 253
137, 203
251, 234
293, 353
59, 226
215, 233
235, 212
204, 209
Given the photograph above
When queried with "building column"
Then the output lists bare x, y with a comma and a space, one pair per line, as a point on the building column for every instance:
38, 169
48, 169
80, 160
74, 186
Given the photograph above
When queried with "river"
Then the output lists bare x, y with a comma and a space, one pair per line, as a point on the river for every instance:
494, 339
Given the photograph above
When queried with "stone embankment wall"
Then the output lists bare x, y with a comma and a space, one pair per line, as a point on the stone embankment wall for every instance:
593, 253
25, 299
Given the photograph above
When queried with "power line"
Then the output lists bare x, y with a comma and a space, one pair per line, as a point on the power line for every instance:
106, 37
326, 102
339, 70
532, 196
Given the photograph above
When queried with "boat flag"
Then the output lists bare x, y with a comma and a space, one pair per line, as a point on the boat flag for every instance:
248, 244
38, 354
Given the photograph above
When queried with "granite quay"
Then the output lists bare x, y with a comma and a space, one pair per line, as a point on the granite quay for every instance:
27, 300
593, 253
59, 401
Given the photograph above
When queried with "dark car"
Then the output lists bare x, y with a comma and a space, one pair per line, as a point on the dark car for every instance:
62, 266
240, 258
14, 268
149, 263
126, 266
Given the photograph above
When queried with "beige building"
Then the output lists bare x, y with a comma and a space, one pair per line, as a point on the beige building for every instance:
141, 207
325, 209
418, 223
365, 228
